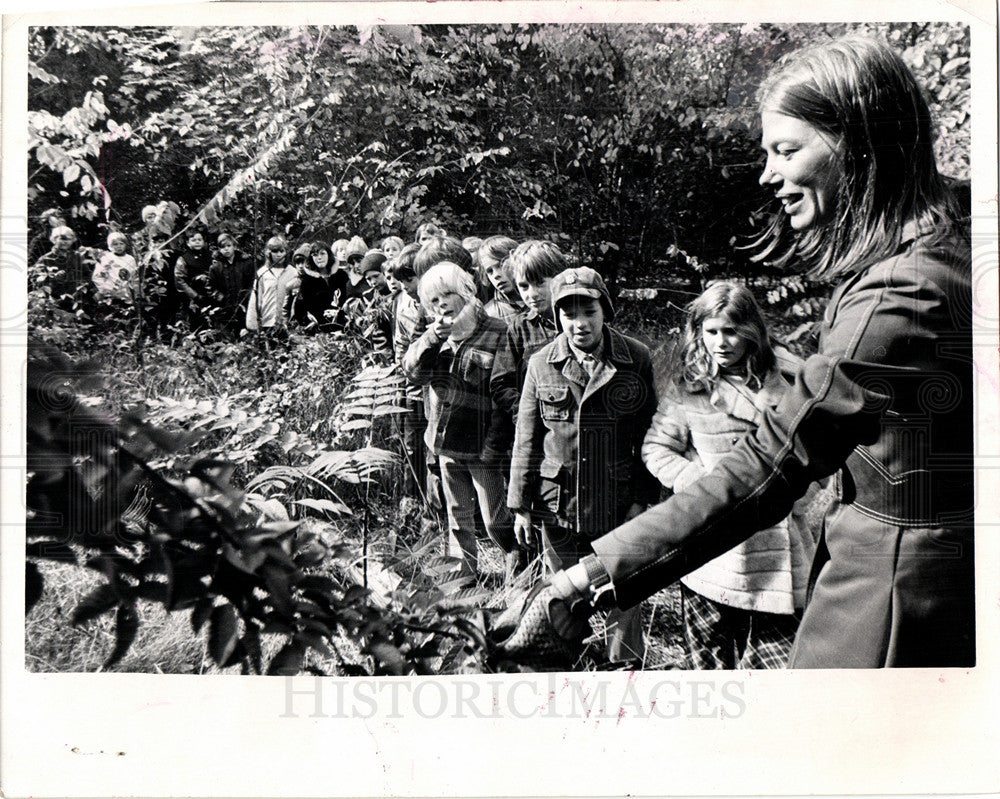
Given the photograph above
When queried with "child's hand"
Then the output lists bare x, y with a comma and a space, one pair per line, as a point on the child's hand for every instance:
523, 531
442, 326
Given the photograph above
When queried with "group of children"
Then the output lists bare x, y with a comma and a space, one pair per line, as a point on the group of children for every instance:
541, 427
530, 419
202, 286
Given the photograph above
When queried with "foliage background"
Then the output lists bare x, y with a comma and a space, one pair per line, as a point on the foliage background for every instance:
633, 145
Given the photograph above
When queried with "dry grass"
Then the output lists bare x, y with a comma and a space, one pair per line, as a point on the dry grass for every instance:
165, 644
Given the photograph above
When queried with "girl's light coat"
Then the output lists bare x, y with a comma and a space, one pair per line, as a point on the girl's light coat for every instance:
690, 433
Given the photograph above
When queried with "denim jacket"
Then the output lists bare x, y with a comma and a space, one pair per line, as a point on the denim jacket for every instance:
888, 398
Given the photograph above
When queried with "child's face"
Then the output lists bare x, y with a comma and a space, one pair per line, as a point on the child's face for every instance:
228, 250
391, 249
410, 287
196, 242
537, 296
321, 258
446, 305
725, 346
498, 277
425, 236
149, 218
117, 246
275, 252
394, 285
63, 242
583, 320
375, 278
340, 254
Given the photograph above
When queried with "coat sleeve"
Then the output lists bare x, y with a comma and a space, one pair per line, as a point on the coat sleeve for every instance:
665, 448
252, 321
809, 435
647, 488
504, 380
420, 361
291, 294
526, 457
505, 388
180, 279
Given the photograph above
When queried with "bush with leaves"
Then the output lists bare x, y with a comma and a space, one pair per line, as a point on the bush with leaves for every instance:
183, 536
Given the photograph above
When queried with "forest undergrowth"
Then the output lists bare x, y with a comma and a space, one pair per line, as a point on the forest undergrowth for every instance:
273, 410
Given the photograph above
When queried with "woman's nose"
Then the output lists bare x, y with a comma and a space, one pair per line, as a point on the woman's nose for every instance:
768, 175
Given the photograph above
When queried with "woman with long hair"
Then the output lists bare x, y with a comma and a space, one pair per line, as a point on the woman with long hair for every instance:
886, 403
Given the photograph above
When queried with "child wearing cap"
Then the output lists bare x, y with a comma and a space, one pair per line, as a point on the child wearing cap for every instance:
355, 253
577, 470
454, 358
371, 271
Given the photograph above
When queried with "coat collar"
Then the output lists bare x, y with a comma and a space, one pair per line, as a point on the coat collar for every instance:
737, 401
615, 348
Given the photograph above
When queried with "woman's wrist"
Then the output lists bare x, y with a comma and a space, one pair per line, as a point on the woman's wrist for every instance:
587, 579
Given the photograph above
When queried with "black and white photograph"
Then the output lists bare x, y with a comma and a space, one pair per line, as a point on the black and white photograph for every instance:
496, 392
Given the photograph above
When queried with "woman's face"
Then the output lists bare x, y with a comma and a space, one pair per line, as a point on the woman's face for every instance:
63, 242
803, 169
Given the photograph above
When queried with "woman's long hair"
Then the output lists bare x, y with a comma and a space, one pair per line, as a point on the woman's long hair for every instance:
737, 305
860, 92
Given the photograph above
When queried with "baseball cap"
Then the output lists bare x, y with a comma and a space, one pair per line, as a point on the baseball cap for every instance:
581, 281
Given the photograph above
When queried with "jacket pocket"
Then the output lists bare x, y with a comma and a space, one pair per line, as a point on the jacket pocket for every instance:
476, 366
554, 403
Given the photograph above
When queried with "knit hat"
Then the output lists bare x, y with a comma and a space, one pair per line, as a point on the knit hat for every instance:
302, 251
372, 261
356, 246
580, 281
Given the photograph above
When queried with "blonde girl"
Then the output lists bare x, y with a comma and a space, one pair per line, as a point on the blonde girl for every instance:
740, 610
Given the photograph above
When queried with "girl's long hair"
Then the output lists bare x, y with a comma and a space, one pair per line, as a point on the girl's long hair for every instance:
860, 92
737, 305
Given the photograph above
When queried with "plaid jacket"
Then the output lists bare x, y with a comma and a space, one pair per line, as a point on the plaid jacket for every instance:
461, 417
